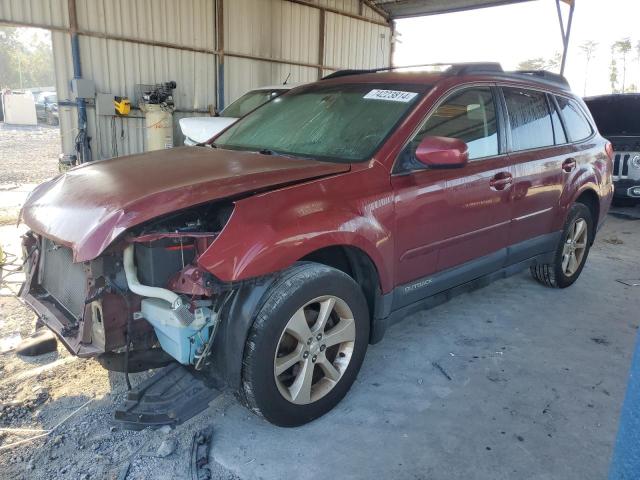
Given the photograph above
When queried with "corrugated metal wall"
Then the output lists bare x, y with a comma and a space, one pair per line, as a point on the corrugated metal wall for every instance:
127, 42
355, 43
36, 12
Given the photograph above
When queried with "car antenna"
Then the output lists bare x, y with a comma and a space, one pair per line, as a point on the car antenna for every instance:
286, 79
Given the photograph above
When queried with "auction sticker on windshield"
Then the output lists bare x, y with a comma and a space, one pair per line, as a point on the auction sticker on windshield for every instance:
390, 95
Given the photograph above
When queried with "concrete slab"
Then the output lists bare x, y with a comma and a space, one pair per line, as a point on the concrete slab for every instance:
537, 377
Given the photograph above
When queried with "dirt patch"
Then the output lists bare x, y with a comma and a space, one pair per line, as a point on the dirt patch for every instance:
28, 154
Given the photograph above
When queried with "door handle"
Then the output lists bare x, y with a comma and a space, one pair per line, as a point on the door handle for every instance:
569, 165
501, 180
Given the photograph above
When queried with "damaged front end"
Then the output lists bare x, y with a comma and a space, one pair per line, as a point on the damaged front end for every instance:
145, 293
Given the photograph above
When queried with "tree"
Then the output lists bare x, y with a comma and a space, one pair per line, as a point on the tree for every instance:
25, 61
623, 47
613, 70
540, 63
532, 64
8, 46
554, 62
588, 49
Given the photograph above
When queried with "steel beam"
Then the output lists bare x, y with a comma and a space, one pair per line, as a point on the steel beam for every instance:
566, 35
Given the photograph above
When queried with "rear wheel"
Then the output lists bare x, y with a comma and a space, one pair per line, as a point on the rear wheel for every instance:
306, 345
572, 250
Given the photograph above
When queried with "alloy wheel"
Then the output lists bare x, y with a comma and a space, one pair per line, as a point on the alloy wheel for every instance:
314, 350
575, 247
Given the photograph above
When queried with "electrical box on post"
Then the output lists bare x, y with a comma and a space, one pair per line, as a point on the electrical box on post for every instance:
104, 104
83, 88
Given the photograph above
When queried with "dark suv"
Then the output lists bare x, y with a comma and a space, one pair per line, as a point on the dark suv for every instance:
274, 255
618, 119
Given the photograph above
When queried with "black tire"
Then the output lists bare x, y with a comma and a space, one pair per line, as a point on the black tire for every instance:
552, 274
294, 288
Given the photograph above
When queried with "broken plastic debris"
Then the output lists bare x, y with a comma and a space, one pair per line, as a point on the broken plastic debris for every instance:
630, 283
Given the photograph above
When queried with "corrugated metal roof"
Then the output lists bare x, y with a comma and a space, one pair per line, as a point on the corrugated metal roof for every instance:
414, 8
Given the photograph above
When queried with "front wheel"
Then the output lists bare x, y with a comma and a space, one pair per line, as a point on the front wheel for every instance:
572, 251
306, 345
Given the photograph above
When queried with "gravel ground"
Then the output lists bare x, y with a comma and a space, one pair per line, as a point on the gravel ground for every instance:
28, 154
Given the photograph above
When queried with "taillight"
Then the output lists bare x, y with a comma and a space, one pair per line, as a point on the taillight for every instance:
608, 148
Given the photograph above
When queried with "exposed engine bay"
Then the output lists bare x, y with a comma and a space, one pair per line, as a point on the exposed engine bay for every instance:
145, 293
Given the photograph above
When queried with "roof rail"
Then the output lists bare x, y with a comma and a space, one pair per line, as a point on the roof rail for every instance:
454, 69
470, 68
345, 73
546, 75
474, 68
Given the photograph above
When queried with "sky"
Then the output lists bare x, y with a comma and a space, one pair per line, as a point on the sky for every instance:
514, 33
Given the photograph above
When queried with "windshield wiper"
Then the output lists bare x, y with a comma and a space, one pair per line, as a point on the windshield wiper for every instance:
268, 151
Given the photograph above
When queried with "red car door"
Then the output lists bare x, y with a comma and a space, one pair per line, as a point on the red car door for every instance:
534, 128
458, 217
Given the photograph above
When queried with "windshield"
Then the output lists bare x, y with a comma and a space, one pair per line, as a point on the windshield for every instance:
338, 122
250, 101
616, 115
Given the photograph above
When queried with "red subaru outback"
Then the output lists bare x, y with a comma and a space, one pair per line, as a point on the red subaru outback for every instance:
274, 255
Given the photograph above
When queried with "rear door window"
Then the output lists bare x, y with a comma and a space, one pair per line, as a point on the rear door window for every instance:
578, 126
530, 119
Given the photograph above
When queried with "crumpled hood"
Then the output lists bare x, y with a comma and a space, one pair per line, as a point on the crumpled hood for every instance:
201, 129
89, 206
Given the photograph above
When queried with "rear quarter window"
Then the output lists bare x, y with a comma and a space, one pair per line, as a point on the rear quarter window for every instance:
577, 125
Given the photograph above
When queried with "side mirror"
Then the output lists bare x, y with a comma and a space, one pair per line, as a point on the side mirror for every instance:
442, 152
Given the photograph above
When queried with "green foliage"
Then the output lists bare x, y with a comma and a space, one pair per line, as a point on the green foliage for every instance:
613, 73
540, 63
588, 49
622, 47
24, 62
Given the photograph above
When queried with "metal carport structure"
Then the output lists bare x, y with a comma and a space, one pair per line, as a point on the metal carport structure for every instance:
395, 9
214, 49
